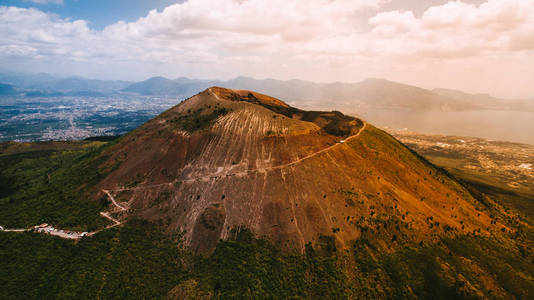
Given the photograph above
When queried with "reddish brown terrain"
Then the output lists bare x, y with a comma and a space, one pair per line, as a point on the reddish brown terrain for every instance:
225, 159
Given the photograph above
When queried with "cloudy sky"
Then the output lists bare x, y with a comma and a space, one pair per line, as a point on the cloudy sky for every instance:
472, 45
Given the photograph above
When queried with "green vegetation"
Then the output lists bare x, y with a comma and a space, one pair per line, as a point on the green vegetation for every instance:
198, 120
453, 268
138, 261
133, 262
245, 267
52, 186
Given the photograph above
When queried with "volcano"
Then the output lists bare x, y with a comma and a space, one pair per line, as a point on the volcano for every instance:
229, 159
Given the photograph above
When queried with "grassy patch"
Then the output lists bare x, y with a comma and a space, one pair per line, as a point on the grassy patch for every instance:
198, 120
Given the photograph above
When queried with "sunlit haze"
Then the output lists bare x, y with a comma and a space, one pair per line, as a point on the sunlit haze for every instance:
475, 46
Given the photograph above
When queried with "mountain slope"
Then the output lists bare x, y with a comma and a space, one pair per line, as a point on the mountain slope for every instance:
226, 159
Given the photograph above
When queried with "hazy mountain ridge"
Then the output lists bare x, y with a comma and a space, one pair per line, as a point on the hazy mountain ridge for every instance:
377, 93
6, 89
488, 101
182, 86
370, 92
44, 84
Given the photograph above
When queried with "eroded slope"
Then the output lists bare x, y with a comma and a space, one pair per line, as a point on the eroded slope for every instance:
225, 159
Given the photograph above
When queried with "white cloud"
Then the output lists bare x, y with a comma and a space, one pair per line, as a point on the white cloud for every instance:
41, 35
17, 51
286, 20
458, 29
316, 39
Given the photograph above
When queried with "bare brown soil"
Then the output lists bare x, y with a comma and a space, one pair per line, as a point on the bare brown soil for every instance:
284, 173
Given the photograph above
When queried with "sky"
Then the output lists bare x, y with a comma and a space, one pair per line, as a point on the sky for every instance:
482, 46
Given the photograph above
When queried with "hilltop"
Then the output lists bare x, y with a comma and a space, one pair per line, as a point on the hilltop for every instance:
227, 159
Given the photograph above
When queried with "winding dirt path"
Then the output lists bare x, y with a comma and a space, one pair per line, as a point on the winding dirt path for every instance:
72, 235
240, 173
318, 152
113, 200
109, 217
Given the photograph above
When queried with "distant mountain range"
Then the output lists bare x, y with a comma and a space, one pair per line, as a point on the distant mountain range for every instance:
182, 87
487, 101
368, 93
46, 85
7, 89
376, 93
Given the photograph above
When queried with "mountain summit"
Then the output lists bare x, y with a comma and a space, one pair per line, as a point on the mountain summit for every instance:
226, 159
